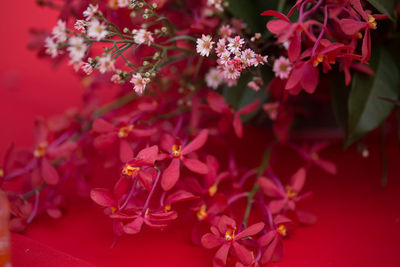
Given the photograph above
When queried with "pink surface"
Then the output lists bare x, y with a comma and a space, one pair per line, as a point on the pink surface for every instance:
358, 221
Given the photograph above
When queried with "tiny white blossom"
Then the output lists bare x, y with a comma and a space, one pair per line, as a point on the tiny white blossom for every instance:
77, 48
87, 68
282, 67
235, 44
213, 78
80, 25
139, 83
106, 63
226, 31
123, 3
230, 73
116, 79
143, 36
97, 30
224, 58
217, 4
51, 47
75, 63
204, 45
60, 31
90, 11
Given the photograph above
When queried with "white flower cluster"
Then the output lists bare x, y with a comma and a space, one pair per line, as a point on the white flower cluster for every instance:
233, 58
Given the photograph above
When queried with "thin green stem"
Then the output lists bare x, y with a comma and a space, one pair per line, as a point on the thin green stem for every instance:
261, 169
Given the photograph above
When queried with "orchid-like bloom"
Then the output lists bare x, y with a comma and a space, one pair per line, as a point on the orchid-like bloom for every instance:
284, 198
43, 154
272, 240
218, 104
178, 152
224, 236
109, 134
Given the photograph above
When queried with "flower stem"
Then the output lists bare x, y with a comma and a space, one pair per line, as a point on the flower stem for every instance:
254, 190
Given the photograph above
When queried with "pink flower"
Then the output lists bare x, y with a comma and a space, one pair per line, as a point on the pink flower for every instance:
217, 104
213, 78
106, 63
178, 152
97, 30
272, 240
204, 45
139, 83
235, 44
90, 11
143, 37
224, 236
271, 109
282, 67
284, 198
253, 85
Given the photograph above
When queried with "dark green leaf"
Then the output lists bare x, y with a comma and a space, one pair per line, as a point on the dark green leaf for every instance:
387, 7
340, 97
366, 110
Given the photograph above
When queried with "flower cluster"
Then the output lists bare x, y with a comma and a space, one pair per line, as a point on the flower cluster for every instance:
311, 43
233, 58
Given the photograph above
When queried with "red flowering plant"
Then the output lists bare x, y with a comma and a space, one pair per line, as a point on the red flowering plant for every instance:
186, 76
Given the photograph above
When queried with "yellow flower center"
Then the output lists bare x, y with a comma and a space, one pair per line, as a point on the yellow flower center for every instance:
129, 170
167, 207
113, 210
202, 213
213, 189
371, 22
1, 172
124, 131
40, 150
176, 151
230, 235
315, 156
318, 60
282, 230
291, 194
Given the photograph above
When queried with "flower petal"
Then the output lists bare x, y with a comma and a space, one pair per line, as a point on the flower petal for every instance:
49, 173
211, 241
267, 256
178, 196
221, 255
135, 226
250, 231
195, 165
275, 206
217, 103
103, 197
270, 188
197, 142
143, 132
102, 126
242, 253
171, 175
125, 151
298, 179
148, 155
266, 239
237, 125
249, 108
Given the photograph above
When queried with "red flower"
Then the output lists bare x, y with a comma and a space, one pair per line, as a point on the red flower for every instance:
284, 198
224, 236
140, 166
110, 134
178, 152
285, 30
218, 104
272, 240
44, 153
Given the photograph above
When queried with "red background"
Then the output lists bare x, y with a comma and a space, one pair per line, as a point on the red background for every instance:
358, 221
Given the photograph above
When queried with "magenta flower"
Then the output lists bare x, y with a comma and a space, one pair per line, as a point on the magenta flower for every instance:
178, 153
272, 240
225, 237
218, 104
284, 198
109, 134
43, 154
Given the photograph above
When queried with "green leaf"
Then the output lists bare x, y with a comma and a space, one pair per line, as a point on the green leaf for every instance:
250, 12
340, 97
387, 7
366, 110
